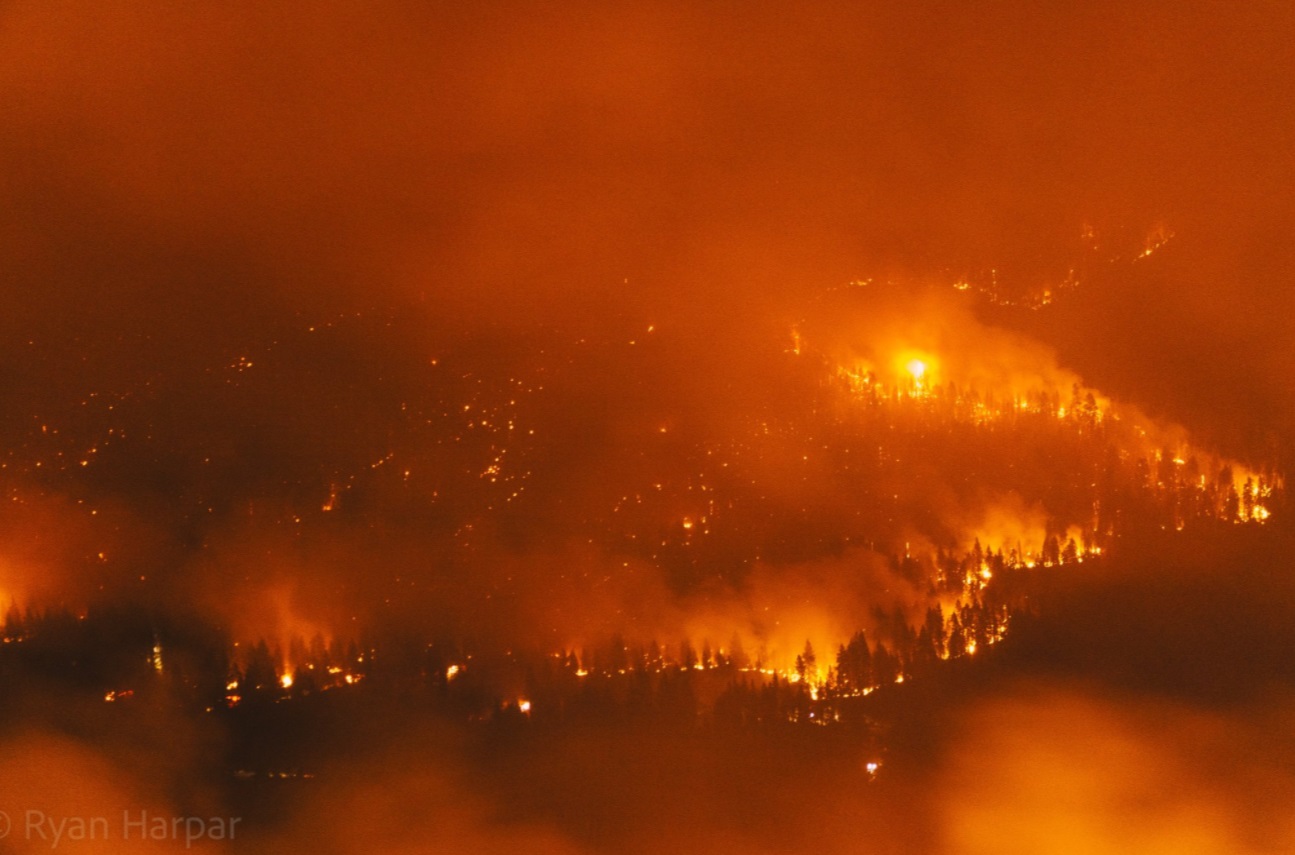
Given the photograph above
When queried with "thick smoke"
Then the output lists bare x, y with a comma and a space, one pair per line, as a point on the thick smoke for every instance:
1052, 770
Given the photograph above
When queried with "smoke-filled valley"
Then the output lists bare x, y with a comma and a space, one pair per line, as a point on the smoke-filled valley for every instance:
641, 428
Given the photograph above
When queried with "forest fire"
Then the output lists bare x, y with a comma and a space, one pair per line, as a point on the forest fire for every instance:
917, 368
637, 428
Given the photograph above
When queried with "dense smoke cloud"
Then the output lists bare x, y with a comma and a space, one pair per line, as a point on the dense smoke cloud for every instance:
521, 155
1052, 770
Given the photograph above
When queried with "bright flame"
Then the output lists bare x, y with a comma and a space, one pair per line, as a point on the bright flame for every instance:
917, 368
286, 681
